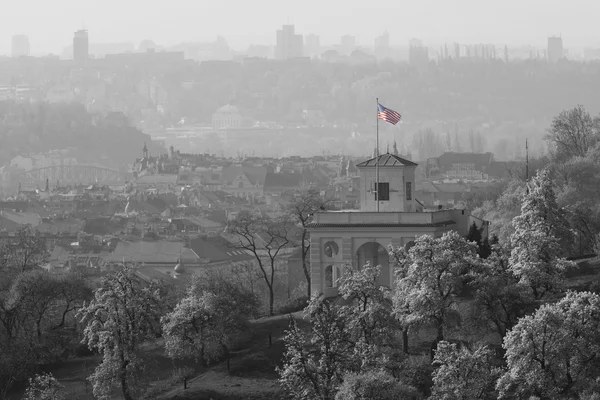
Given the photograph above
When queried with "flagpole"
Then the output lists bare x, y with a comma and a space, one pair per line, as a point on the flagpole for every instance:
377, 159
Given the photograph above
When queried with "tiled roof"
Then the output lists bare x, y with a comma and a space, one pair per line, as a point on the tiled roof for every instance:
217, 249
382, 225
387, 160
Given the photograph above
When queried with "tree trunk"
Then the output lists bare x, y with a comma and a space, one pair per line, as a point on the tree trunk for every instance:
271, 301
124, 385
405, 340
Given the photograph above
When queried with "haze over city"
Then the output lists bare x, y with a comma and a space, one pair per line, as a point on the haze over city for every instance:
308, 200
49, 25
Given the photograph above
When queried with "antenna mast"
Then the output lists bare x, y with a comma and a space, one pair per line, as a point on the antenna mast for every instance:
526, 160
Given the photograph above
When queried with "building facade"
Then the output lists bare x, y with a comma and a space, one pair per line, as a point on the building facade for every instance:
358, 237
289, 44
81, 45
555, 49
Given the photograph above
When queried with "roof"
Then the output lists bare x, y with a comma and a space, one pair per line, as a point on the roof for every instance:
479, 159
256, 175
22, 218
387, 160
151, 252
283, 180
228, 108
157, 179
382, 225
218, 249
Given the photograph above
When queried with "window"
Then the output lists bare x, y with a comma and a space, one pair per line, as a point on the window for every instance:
329, 276
408, 190
331, 249
383, 194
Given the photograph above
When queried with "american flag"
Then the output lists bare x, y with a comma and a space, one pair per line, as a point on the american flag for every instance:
388, 115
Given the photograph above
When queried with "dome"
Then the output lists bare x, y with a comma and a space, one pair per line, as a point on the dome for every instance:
179, 268
228, 109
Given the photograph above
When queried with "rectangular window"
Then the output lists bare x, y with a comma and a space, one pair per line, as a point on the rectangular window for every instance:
383, 194
408, 190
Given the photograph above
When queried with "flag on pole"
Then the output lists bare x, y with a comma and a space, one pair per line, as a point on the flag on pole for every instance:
388, 115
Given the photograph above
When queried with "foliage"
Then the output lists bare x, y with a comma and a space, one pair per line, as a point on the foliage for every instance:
374, 385
209, 320
358, 336
554, 353
369, 315
44, 387
302, 207
462, 374
293, 305
33, 128
122, 316
499, 296
572, 133
536, 257
475, 235
37, 323
314, 364
435, 273
264, 238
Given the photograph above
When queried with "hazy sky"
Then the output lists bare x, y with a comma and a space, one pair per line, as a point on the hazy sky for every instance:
50, 23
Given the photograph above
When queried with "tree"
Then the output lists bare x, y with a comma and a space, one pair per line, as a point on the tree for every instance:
554, 353
572, 133
462, 374
302, 208
475, 235
25, 251
435, 275
209, 320
499, 296
374, 385
356, 337
44, 387
122, 316
314, 365
536, 254
264, 238
369, 318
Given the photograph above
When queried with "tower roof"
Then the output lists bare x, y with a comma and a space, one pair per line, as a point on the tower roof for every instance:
387, 160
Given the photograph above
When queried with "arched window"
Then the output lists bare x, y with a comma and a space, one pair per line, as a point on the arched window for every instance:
331, 249
329, 276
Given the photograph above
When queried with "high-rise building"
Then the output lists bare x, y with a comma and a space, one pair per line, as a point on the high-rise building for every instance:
383, 41
81, 45
289, 44
555, 48
20, 45
312, 45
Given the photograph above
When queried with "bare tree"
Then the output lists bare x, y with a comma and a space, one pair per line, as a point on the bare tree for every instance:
302, 208
573, 132
264, 238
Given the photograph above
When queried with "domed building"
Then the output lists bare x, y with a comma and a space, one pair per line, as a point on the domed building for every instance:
230, 116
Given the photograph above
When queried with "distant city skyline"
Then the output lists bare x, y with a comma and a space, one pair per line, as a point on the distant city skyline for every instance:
50, 25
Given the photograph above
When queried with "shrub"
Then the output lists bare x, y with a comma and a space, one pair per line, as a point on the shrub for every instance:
374, 385
294, 305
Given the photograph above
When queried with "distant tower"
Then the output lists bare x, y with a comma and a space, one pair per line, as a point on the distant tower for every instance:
145, 150
555, 49
81, 45
47, 189
395, 148
506, 54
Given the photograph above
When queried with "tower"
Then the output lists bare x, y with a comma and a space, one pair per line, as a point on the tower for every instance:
80, 45
145, 151
358, 237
